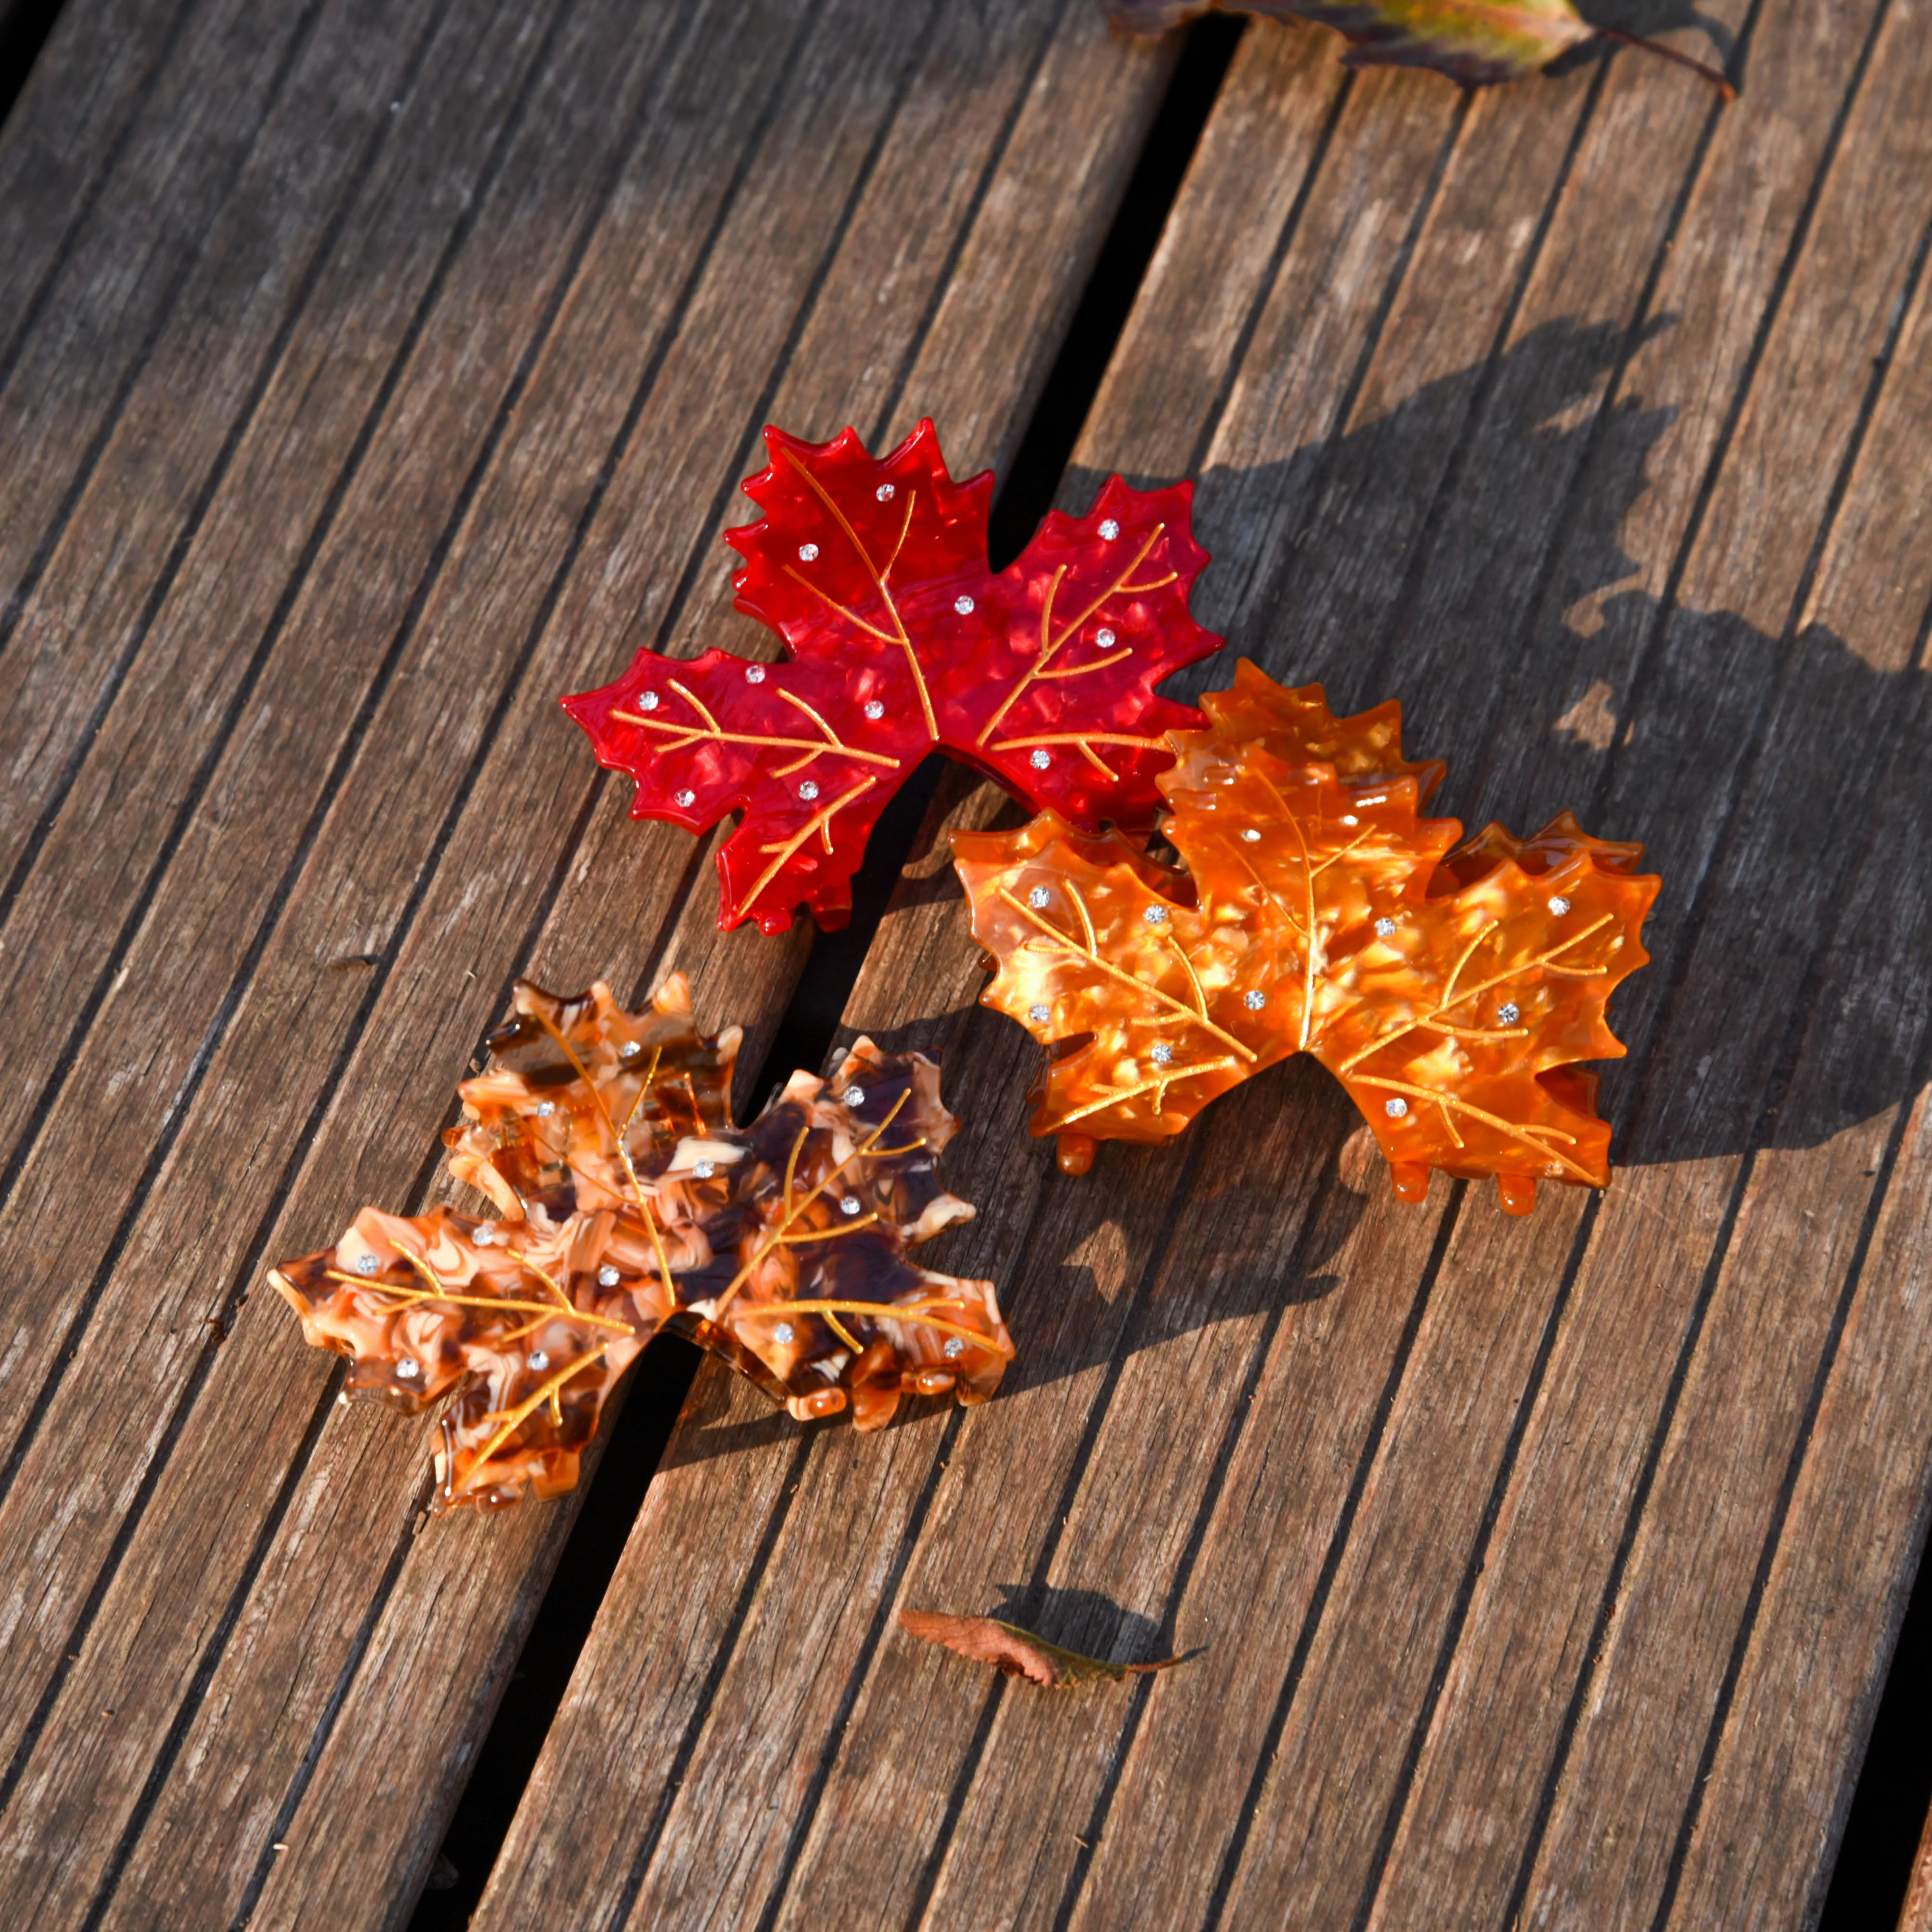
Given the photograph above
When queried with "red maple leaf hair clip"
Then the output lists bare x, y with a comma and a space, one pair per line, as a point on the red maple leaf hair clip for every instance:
874, 571
624, 1202
1452, 988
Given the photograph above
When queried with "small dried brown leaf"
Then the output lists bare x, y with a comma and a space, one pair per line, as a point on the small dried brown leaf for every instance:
1017, 1652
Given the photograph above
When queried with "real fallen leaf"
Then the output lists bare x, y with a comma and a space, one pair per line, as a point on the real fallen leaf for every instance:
873, 571
1452, 988
625, 1203
1474, 42
1017, 1652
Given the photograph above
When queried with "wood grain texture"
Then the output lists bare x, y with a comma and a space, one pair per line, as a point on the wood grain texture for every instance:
1540, 1571
626, 382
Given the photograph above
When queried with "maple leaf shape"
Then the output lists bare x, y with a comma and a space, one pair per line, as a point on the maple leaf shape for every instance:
873, 571
1475, 42
628, 1204
1451, 989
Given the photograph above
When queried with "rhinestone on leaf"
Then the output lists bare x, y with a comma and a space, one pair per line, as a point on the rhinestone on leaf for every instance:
369, 1265
408, 1369
686, 799
1349, 818
964, 605
607, 1276
649, 702
1038, 897
546, 1107
874, 709
1249, 836
884, 492
1155, 915
1509, 1014
705, 1169
1161, 1053
484, 1236
1105, 639
807, 552
1559, 906
955, 1347
1254, 1000
1554, 1171
781, 1334
754, 673
1041, 758
1384, 927
539, 1359
807, 791
854, 1096
630, 1049
1039, 1013
1395, 1108
851, 1204
1109, 530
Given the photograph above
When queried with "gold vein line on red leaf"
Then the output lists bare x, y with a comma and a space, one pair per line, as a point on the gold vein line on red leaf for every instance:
873, 570
1454, 989
626, 1202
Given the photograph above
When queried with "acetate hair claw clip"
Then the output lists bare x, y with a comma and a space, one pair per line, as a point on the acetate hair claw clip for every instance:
873, 571
623, 1202
1452, 988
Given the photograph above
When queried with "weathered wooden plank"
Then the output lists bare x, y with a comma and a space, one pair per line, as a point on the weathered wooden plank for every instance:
64, 132
112, 293
1613, 1371
266, 1705
138, 1064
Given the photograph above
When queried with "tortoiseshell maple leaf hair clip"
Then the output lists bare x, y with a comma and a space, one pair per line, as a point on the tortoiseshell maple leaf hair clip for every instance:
623, 1203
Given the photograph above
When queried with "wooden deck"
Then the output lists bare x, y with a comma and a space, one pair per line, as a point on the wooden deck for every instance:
371, 373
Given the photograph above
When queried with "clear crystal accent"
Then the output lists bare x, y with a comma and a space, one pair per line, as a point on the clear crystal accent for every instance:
754, 673
1041, 758
649, 702
686, 799
1039, 1013
1559, 906
1384, 927
1162, 1054
1249, 836
851, 1204
705, 1169
1510, 1014
369, 1265
539, 1359
408, 1369
874, 709
1038, 897
807, 791
1105, 639
1554, 1171
1254, 1000
607, 1276
781, 1334
1349, 818
546, 1107
1395, 1107
854, 1096
964, 605
1110, 529
1155, 915
807, 552
955, 1347
884, 492
630, 1049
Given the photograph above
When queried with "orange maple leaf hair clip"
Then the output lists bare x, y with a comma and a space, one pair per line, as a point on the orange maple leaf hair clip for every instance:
623, 1202
1453, 989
